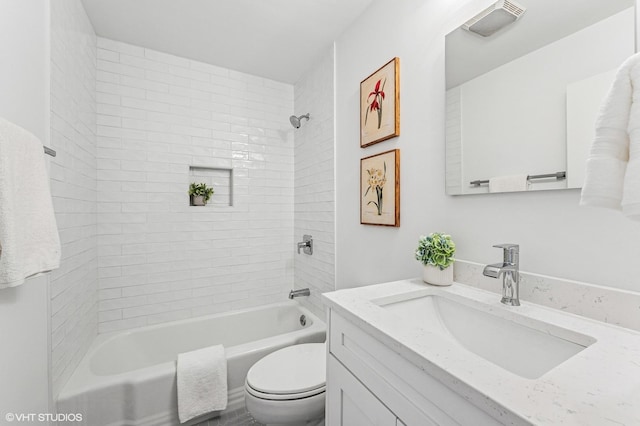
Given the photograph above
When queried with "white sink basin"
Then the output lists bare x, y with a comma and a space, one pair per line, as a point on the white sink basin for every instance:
494, 334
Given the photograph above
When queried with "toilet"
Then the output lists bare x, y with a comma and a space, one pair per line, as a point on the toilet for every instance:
287, 387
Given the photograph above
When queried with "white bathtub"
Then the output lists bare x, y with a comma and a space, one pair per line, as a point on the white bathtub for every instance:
129, 378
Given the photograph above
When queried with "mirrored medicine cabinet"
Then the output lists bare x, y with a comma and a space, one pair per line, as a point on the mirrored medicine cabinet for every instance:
523, 101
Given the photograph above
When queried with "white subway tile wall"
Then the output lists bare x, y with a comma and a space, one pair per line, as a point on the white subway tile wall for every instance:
74, 286
314, 182
160, 259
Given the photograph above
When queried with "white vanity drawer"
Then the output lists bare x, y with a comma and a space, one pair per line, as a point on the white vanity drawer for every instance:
415, 397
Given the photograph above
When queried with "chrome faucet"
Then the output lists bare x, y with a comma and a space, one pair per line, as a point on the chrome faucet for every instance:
306, 245
298, 293
509, 269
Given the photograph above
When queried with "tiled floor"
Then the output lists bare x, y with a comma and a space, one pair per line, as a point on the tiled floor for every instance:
234, 418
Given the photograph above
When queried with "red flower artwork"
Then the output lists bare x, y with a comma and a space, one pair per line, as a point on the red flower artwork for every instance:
376, 103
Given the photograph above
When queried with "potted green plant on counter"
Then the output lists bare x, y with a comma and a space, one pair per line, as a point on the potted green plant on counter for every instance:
199, 194
436, 251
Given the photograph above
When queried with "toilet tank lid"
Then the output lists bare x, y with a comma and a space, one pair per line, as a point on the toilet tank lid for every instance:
291, 370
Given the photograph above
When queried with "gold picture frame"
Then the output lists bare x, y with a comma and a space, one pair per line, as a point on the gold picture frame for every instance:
380, 189
380, 104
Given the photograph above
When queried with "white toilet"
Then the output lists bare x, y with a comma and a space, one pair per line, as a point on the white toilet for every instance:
287, 387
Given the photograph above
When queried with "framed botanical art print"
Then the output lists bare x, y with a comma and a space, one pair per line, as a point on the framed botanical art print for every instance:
380, 104
380, 189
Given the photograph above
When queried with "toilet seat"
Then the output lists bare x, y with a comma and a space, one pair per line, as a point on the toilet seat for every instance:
284, 397
294, 372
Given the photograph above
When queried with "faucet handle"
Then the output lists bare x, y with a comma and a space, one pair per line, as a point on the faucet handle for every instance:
508, 246
511, 252
306, 245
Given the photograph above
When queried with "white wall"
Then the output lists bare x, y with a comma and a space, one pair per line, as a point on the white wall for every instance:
24, 85
159, 258
314, 181
24, 357
557, 237
371, 254
24, 73
74, 286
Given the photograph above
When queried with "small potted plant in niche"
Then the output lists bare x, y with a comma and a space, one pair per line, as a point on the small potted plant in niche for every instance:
199, 194
436, 251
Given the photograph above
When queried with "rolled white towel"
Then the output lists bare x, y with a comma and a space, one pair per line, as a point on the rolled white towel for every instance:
631, 192
605, 182
508, 183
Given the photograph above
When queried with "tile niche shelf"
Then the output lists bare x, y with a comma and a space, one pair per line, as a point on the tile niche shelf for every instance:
220, 178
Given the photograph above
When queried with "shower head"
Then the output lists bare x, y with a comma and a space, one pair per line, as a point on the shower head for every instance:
295, 121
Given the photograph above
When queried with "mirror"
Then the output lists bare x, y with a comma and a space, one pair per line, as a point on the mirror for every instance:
522, 102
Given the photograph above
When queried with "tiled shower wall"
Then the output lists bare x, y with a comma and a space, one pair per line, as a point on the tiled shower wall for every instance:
314, 181
73, 186
159, 258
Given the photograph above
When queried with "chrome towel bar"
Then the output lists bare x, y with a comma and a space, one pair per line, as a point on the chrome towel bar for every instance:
557, 175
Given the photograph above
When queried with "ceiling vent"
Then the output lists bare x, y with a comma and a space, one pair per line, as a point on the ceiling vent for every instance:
494, 18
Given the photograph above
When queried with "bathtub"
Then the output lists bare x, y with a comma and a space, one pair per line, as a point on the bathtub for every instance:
129, 378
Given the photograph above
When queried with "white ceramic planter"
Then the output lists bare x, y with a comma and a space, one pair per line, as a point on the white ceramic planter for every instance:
198, 200
434, 276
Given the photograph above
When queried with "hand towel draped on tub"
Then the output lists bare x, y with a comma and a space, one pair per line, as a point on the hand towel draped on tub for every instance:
202, 382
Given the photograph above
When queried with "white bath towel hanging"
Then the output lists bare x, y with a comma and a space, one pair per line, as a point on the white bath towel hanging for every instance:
612, 178
29, 241
202, 382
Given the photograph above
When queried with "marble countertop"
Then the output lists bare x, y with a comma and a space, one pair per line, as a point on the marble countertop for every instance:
598, 386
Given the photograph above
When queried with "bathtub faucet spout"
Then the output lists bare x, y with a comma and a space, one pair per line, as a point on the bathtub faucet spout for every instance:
298, 293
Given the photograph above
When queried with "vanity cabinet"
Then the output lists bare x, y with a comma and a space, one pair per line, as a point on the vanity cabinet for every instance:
354, 404
370, 383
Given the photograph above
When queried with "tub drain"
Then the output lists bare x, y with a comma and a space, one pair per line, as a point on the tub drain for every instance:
303, 320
